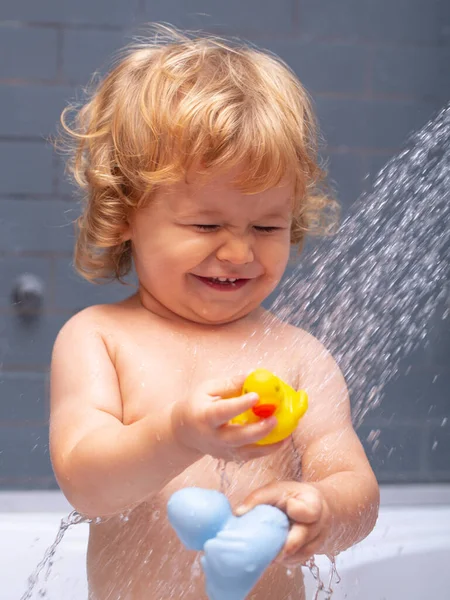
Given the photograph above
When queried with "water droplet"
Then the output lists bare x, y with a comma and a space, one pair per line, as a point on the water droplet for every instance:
373, 435
196, 569
369, 293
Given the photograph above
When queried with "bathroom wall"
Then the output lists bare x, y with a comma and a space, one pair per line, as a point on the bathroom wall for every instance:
377, 70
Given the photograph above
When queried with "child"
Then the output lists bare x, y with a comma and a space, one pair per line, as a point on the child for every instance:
199, 165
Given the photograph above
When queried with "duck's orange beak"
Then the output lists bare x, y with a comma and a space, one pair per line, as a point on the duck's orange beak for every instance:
263, 411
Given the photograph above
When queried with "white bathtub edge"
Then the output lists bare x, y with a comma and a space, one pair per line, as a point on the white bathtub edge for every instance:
34, 501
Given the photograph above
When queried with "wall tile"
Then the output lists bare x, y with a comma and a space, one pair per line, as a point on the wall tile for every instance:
443, 9
26, 168
27, 53
438, 336
232, 15
74, 293
422, 72
31, 110
37, 225
417, 394
346, 174
100, 12
398, 21
24, 453
64, 185
438, 447
397, 454
371, 124
28, 343
23, 398
324, 67
89, 51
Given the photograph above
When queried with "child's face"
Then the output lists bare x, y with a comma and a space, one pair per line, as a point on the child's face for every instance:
190, 234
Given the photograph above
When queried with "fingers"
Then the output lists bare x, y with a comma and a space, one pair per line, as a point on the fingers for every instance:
241, 435
225, 388
301, 502
276, 494
306, 508
299, 548
221, 411
303, 541
297, 537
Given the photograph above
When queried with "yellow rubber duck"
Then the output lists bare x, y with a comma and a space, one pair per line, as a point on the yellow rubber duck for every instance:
275, 398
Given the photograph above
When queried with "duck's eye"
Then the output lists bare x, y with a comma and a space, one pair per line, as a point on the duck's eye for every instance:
277, 388
245, 391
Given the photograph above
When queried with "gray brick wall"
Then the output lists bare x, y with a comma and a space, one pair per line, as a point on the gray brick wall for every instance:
377, 70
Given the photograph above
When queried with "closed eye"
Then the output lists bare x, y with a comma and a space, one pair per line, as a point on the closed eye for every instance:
207, 227
266, 229
215, 227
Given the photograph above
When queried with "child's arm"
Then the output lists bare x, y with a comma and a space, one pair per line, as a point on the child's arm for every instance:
336, 504
104, 466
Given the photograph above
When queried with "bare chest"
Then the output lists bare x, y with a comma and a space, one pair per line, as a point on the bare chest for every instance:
157, 367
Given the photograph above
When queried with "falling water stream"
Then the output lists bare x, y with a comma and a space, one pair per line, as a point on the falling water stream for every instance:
369, 293
45, 565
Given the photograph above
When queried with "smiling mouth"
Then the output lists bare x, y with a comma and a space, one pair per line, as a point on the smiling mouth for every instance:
223, 283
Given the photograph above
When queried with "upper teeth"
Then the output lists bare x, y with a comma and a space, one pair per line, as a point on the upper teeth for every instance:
231, 279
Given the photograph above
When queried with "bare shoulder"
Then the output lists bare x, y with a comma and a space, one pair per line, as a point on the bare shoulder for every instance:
311, 357
294, 336
303, 343
307, 354
318, 373
87, 318
101, 320
80, 347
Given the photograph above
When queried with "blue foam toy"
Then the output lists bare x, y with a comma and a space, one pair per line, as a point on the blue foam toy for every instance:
237, 550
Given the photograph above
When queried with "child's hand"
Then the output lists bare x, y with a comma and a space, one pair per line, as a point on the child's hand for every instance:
201, 422
306, 507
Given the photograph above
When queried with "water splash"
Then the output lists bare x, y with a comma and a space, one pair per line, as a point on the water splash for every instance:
221, 468
45, 565
370, 292
323, 588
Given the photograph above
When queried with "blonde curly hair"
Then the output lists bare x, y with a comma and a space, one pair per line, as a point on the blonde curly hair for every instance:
175, 102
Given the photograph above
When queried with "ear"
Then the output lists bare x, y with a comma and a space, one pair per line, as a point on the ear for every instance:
126, 234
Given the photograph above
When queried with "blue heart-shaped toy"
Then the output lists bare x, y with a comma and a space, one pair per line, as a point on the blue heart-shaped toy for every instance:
237, 550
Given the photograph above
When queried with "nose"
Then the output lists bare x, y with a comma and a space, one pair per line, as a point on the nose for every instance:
236, 250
